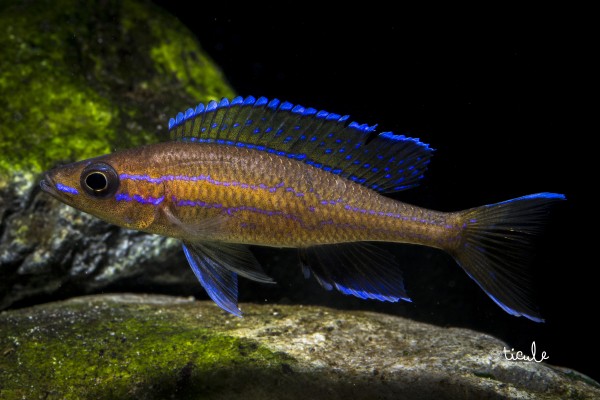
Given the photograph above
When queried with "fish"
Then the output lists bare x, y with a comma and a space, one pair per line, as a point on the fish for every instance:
253, 171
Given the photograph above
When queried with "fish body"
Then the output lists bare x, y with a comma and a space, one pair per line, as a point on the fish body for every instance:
258, 172
257, 198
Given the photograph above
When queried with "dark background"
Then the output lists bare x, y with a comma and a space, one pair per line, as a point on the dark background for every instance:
492, 97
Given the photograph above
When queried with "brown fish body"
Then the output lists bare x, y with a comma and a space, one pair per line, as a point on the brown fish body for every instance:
246, 196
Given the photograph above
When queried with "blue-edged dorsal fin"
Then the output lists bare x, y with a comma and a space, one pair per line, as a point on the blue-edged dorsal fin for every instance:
359, 269
386, 163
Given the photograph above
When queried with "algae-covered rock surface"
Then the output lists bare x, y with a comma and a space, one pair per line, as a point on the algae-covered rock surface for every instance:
77, 80
155, 347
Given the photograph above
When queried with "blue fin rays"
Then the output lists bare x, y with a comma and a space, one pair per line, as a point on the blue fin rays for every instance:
497, 246
220, 283
324, 140
217, 266
359, 269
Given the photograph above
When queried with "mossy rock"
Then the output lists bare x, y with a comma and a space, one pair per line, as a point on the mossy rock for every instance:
127, 348
157, 347
78, 80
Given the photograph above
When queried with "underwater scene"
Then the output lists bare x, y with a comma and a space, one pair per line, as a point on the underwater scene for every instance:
288, 204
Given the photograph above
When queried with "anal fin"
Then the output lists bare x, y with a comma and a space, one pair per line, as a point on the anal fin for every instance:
359, 269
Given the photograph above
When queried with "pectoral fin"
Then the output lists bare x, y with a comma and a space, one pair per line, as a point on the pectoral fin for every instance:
205, 228
217, 265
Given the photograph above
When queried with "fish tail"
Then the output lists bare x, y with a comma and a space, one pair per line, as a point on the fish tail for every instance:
496, 246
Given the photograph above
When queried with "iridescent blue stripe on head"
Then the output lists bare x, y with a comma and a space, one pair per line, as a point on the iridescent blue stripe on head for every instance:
66, 189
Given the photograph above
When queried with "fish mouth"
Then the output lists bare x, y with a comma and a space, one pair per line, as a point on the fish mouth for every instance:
58, 190
47, 184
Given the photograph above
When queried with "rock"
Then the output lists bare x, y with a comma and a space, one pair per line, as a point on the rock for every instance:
78, 81
151, 347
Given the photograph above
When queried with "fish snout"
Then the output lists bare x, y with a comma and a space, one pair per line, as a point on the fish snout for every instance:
47, 184
56, 189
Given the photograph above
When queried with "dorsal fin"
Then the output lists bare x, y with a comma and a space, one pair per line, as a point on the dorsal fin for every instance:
387, 163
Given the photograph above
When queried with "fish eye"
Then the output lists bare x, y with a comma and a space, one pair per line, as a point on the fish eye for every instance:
99, 180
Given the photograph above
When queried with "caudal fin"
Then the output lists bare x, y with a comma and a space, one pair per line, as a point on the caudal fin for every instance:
496, 248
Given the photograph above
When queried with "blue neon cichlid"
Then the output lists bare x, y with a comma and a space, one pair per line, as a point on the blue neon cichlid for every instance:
259, 172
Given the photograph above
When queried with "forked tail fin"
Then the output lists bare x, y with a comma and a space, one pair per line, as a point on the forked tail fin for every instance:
496, 246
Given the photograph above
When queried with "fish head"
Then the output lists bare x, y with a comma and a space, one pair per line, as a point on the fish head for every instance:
95, 187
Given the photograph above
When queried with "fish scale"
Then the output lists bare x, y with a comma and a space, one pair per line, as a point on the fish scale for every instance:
264, 172
237, 180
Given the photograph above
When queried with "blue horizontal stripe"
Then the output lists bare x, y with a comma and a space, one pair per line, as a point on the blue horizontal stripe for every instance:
66, 189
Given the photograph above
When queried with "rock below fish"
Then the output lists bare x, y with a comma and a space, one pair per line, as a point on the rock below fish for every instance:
146, 347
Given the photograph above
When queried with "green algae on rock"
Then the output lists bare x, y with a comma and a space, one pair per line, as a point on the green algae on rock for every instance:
155, 347
78, 79
122, 349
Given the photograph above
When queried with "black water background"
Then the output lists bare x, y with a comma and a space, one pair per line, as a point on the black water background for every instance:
494, 97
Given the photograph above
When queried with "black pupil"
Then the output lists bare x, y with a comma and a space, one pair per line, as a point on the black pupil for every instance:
96, 181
